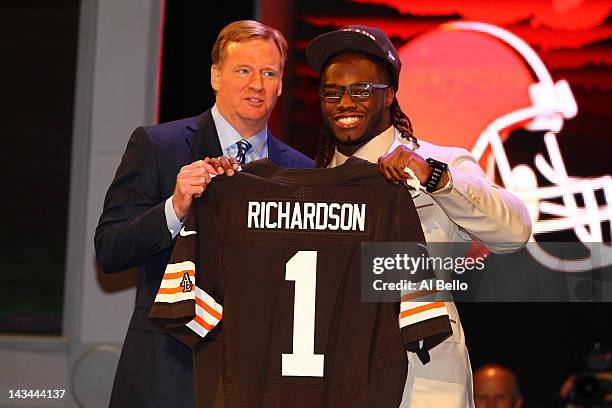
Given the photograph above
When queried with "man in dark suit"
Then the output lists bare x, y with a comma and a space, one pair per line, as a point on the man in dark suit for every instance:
164, 167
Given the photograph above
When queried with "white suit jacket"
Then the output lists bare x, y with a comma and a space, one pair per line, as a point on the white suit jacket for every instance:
469, 208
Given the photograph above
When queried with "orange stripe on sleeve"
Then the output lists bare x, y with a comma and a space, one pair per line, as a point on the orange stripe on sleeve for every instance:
420, 309
209, 309
202, 323
169, 291
175, 275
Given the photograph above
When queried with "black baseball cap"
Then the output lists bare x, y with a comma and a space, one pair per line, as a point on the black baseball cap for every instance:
364, 39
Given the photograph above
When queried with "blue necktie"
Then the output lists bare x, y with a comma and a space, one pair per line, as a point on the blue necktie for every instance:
243, 148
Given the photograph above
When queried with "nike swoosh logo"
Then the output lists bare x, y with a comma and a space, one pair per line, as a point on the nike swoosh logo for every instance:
183, 232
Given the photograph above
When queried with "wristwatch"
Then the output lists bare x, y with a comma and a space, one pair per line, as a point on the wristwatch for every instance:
435, 174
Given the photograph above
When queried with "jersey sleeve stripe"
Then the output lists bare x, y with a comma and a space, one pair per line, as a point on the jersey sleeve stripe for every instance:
174, 298
203, 323
414, 305
209, 309
174, 283
208, 313
421, 308
171, 291
173, 295
197, 328
209, 300
178, 275
205, 316
179, 267
424, 315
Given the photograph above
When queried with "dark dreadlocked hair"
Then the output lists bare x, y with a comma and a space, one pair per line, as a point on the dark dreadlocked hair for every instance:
327, 142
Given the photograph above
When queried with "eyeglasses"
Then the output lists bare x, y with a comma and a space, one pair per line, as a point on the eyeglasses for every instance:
359, 91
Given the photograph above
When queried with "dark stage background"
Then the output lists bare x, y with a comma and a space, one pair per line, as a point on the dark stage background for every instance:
191, 29
38, 44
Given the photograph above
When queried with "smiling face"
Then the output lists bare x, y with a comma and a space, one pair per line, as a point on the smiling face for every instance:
354, 123
247, 82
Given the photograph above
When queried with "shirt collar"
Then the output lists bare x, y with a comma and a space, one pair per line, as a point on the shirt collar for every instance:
228, 136
371, 151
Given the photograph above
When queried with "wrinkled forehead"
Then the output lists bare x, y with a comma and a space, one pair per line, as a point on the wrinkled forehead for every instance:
252, 51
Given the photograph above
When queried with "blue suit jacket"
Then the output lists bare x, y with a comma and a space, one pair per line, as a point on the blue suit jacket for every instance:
154, 368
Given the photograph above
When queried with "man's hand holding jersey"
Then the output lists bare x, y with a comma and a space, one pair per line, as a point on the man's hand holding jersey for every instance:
392, 166
192, 180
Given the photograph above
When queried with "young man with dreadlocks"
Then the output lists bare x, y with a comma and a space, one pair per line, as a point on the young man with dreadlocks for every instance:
359, 78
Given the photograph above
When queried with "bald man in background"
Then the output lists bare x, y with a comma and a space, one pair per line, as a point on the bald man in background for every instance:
496, 386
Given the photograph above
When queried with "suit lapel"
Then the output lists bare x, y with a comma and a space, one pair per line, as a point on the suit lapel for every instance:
206, 140
276, 152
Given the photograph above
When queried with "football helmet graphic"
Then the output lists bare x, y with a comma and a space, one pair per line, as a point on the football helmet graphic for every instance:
471, 84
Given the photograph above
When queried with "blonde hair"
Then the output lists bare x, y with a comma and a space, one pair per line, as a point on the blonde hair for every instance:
247, 30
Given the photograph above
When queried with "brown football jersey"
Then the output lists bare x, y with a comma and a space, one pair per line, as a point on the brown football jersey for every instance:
265, 285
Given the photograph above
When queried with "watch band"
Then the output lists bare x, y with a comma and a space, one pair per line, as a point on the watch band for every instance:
437, 170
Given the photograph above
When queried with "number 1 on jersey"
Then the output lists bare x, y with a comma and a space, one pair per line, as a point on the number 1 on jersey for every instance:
302, 268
